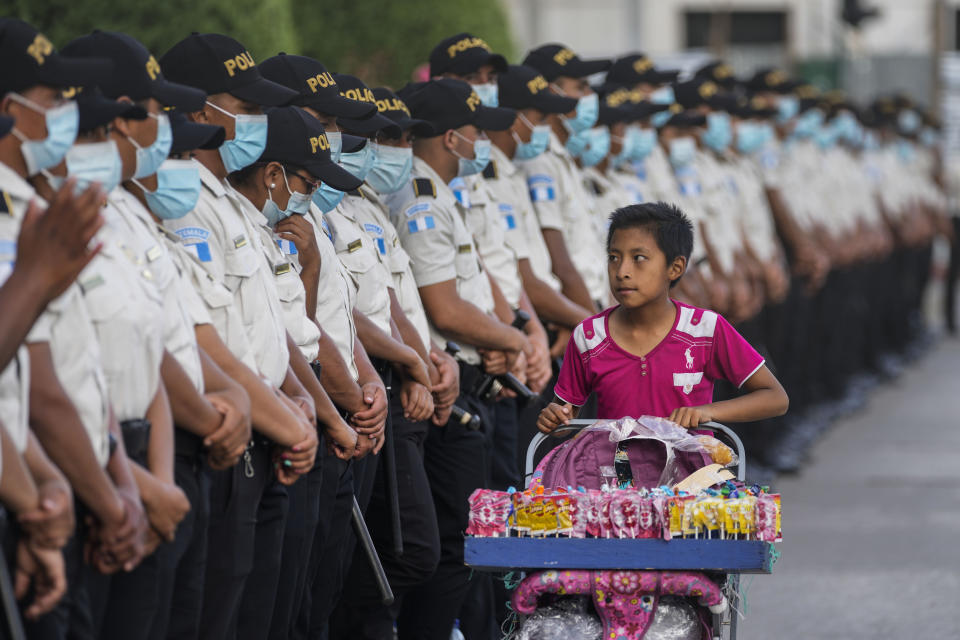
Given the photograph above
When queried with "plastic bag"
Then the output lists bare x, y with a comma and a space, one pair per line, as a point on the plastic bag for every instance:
674, 438
569, 618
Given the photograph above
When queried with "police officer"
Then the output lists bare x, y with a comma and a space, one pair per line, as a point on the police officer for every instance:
559, 195
229, 249
72, 421
457, 298
346, 372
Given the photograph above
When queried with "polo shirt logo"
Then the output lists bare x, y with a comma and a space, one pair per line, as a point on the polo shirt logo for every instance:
689, 358
687, 381
240, 62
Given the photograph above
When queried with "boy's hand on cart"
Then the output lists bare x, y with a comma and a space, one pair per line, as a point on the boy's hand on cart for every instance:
690, 417
554, 415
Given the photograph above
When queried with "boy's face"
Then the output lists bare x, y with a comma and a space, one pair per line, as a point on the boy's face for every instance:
638, 269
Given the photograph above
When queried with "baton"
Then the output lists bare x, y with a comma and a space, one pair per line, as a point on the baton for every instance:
390, 479
363, 535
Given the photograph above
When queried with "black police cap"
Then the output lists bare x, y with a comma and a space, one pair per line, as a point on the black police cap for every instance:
753, 107
555, 61
353, 88
684, 119
769, 79
29, 59
612, 115
96, 110
391, 106
296, 138
136, 73
462, 54
623, 97
718, 71
636, 68
523, 87
703, 91
219, 64
316, 86
188, 135
450, 104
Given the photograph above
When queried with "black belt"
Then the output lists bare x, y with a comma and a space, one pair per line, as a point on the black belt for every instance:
136, 439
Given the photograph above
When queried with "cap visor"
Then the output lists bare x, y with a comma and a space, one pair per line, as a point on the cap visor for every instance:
659, 77
188, 136
687, 120
179, 96
265, 93
334, 175
340, 107
5, 125
552, 103
419, 128
494, 118
64, 71
351, 143
370, 125
584, 68
98, 111
646, 109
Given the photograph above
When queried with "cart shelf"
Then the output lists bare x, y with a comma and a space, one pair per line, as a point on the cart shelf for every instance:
539, 554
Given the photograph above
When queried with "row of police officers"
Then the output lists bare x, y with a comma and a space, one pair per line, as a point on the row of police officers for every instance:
253, 310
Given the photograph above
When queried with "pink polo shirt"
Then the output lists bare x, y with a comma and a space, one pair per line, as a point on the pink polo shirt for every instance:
679, 372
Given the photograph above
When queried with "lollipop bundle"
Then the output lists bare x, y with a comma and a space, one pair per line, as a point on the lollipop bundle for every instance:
731, 512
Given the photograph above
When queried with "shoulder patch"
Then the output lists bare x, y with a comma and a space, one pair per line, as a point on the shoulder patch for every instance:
703, 326
424, 187
509, 219
421, 224
490, 171
589, 334
417, 208
195, 238
542, 188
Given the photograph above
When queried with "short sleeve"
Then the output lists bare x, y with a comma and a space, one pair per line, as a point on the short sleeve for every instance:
734, 359
572, 384
426, 234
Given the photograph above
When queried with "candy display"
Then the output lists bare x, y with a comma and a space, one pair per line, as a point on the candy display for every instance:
732, 511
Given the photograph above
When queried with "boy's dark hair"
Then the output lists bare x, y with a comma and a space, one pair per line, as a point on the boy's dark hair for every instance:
670, 227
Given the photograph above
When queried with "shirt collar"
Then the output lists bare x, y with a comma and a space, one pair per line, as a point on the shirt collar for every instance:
211, 182
505, 166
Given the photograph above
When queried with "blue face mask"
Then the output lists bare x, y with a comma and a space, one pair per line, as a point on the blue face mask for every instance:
178, 189
336, 144
249, 140
577, 142
89, 163
929, 137
905, 151
787, 107
627, 145
539, 140
588, 110
826, 136
663, 95
682, 151
845, 126
392, 168
750, 137
480, 159
327, 198
299, 203
908, 121
598, 147
359, 163
488, 94
646, 141
62, 123
808, 124
719, 133
150, 158
870, 141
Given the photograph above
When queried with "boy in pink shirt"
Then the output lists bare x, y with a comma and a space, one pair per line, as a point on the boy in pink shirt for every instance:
652, 355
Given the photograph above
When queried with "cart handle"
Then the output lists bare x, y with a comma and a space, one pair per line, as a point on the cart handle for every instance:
579, 424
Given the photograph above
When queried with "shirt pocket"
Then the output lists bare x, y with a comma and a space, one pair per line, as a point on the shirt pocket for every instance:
465, 260
289, 285
238, 263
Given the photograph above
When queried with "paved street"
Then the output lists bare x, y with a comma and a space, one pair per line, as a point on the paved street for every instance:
872, 524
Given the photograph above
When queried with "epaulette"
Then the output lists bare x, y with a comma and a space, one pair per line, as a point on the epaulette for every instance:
424, 187
6, 206
490, 171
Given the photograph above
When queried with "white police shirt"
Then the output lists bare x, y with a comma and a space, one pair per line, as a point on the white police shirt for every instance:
66, 326
431, 228
225, 244
562, 202
290, 291
375, 218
